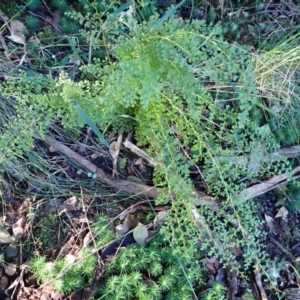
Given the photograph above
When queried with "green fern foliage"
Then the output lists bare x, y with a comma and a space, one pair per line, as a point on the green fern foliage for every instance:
191, 99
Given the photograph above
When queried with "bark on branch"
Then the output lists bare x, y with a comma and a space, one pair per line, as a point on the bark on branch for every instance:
122, 185
152, 192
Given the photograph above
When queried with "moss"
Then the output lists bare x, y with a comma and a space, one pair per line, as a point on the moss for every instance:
33, 4
32, 22
60, 4
68, 26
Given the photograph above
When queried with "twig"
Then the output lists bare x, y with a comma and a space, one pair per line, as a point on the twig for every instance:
152, 192
266, 186
139, 152
287, 253
269, 157
259, 285
6, 52
122, 185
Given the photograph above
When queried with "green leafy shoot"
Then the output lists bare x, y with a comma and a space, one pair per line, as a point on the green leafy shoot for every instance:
2, 260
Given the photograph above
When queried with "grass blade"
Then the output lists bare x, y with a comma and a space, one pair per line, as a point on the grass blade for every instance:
115, 14
87, 119
166, 15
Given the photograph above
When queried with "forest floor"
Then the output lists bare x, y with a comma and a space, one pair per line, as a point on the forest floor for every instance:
49, 201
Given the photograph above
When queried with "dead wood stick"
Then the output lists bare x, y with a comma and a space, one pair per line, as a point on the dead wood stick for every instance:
259, 285
152, 192
122, 185
287, 253
267, 158
266, 186
139, 152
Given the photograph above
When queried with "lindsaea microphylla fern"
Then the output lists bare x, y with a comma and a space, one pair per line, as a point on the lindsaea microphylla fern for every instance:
156, 85
163, 84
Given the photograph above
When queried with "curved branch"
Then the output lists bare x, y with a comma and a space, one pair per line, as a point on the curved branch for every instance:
122, 185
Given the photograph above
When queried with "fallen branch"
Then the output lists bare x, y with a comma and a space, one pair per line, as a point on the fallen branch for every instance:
122, 185
139, 152
152, 192
267, 158
266, 186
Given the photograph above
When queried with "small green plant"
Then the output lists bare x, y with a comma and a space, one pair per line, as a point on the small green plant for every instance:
71, 273
46, 36
215, 292
291, 196
152, 272
64, 281
60, 4
102, 233
68, 26
45, 234
2, 260
32, 22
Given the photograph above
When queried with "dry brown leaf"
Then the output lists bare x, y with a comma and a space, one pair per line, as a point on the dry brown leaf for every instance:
270, 222
282, 212
211, 264
16, 26
5, 237
114, 150
160, 218
17, 228
130, 222
114, 147
71, 204
11, 214
140, 233
18, 38
124, 214
236, 250
10, 269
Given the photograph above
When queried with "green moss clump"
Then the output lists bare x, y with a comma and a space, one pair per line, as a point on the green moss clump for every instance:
60, 4
32, 22
68, 26
152, 272
33, 4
